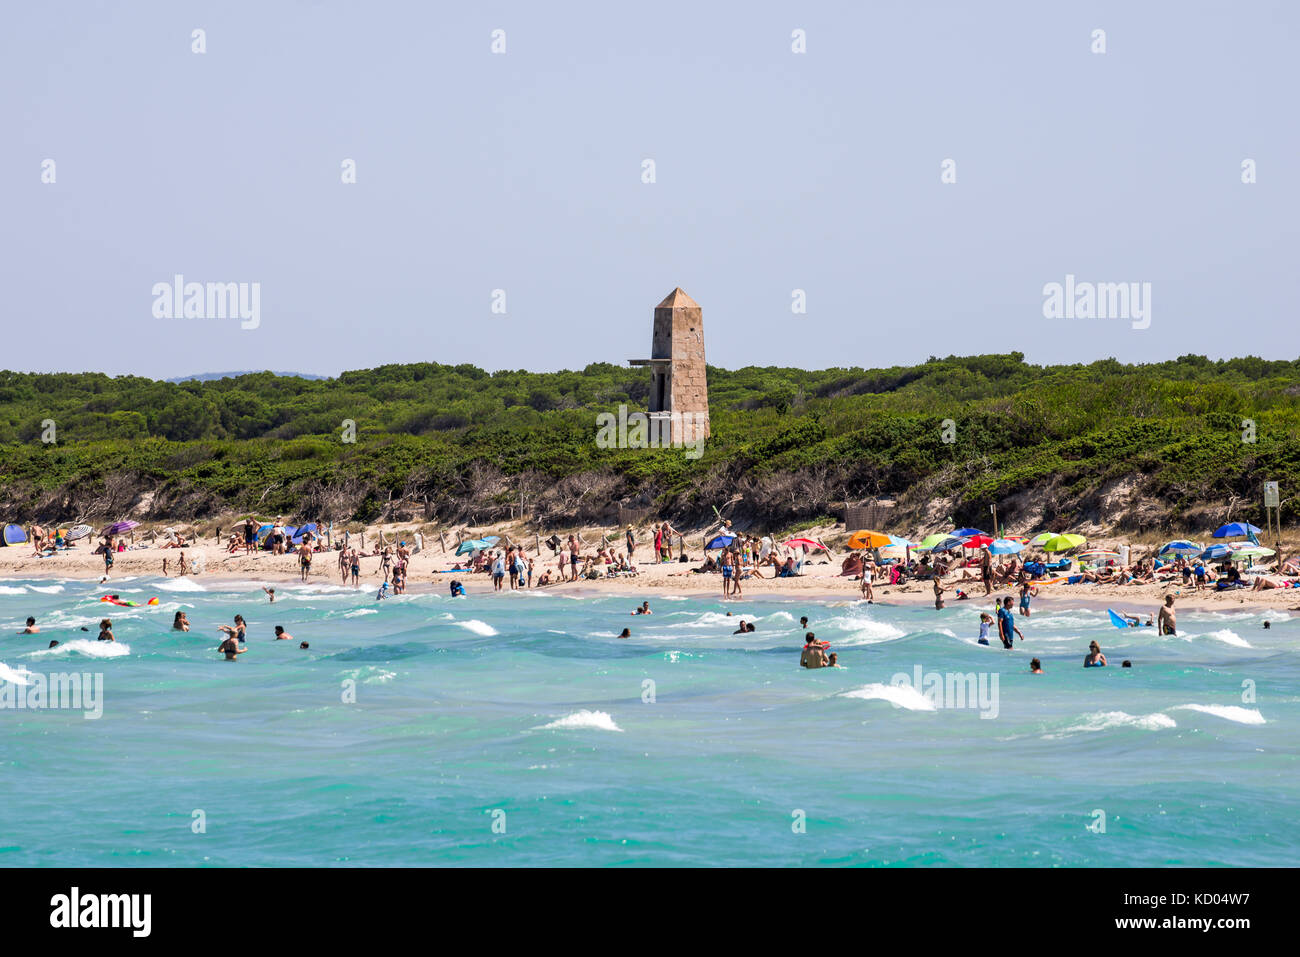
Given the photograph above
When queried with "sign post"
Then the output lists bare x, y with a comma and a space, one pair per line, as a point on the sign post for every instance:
1273, 511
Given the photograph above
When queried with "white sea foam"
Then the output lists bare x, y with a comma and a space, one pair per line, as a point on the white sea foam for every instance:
903, 696
180, 584
87, 647
11, 590
46, 589
1104, 720
864, 631
358, 612
597, 720
1228, 712
478, 627
17, 676
1228, 638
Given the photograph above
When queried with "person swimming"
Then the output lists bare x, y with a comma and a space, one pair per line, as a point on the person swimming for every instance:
54, 644
1095, 658
281, 634
742, 629
627, 633
1035, 666
644, 609
304, 646
180, 622
833, 661
106, 630
32, 628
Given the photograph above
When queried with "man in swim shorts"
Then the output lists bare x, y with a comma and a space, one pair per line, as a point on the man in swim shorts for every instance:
1166, 624
1007, 624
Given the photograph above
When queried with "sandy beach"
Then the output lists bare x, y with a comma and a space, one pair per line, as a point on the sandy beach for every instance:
820, 581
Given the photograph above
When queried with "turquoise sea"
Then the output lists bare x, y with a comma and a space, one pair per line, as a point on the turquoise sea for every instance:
518, 730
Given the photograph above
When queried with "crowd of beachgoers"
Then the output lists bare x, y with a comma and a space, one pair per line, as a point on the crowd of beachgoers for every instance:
945, 566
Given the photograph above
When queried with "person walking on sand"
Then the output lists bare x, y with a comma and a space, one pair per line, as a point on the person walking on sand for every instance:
250, 535
631, 543
1166, 624
304, 561
986, 569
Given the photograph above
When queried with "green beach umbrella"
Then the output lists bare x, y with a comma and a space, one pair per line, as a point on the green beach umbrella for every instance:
1042, 537
930, 541
1063, 543
1252, 551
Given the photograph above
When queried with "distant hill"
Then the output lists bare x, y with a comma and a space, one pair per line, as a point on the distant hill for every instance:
1182, 445
211, 376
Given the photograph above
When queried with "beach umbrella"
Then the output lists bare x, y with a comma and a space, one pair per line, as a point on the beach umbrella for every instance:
1252, 551
720, 541
1216, 552
474, 545
894, 540
1042, 537
1063, 543
1005, 546
117, 528
1098, 555
79, 531
808, 542
978, 541
490, 539
927, 543
949, 543
967, 532
1181, 546
1235, 528
866, 539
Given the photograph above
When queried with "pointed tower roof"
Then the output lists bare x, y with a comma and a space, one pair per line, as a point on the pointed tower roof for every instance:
677, 299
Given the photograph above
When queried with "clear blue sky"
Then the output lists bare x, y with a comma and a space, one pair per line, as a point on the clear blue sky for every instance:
522, 171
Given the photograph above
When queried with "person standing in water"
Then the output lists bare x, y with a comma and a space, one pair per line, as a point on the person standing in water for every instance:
1095, 658
1166, 624
813, 655
1007, 624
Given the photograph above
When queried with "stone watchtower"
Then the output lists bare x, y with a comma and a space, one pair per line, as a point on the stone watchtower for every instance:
679, 392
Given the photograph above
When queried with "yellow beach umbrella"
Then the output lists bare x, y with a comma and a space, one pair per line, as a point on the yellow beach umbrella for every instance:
1063, 543
866, 539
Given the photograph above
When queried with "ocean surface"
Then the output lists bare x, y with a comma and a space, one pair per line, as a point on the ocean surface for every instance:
518, 730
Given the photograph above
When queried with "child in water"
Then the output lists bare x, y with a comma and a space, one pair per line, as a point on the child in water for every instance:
986, 621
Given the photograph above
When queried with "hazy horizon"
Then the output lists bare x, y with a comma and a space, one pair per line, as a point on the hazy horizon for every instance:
522, 171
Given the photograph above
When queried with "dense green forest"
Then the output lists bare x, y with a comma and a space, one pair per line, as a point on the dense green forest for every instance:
456, 443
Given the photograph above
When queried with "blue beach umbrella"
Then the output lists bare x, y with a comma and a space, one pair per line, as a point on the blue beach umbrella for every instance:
949, 544
720, 541
1216, 552
1003, 546
474, 545
894, 540
1181, 546
966, 532
1236, 528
